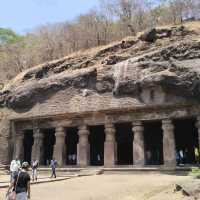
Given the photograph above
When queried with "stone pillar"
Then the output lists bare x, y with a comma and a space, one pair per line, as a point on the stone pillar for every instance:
83, 147
138, 144
19, 146
5, 136
37, 148
59, 148
169, 148
198, 127
109, 145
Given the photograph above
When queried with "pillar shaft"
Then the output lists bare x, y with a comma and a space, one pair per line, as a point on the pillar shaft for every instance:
83, 147
109, 145
37, 148
169, 151
138, 144
59, 148
19, 147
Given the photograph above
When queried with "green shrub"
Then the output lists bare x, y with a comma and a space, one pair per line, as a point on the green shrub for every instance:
195, 172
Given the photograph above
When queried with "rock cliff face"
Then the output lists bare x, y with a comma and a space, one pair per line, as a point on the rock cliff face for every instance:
166, 58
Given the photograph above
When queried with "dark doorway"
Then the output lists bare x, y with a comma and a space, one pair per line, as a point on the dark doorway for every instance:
48, 144
28, 143
186, 137
71, 141
153, 141
124, 139
96, 140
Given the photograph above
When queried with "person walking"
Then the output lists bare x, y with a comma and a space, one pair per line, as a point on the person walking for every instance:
34, 166
14, 168
181, 157
53, 168
197, 156
21, 183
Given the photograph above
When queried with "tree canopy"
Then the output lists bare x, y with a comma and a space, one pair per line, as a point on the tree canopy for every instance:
111, 21
8, 36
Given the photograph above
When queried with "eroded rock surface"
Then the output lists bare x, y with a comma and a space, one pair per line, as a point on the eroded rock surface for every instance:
172, 62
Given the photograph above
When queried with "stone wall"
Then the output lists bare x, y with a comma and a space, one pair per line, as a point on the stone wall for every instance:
4, 137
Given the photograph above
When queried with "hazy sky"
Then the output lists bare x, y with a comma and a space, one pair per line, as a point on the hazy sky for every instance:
24, 15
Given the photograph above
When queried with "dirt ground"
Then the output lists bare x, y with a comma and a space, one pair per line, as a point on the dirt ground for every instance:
110, 187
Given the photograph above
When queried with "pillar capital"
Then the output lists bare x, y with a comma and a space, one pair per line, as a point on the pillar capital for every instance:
83, 130
60, 132
137, 126
109, 129
167, 122
137, 123
167, 125
60, 129
37, 134
109, 125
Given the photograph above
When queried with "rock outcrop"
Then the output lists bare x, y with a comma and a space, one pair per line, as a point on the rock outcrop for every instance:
168, 58
190, 188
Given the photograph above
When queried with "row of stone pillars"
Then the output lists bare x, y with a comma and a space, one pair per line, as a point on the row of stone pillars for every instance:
110, 147
169, 151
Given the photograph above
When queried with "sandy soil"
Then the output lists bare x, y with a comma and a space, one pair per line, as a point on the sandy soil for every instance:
110, 187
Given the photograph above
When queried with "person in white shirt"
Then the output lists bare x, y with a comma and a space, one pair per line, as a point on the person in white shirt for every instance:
14, 168
18, 162
74, 159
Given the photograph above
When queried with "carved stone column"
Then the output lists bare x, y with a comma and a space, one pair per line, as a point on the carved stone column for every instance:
37, 149
169, 148
198, 127
109, 145
83, 147
19, 146
59, 148
138, 144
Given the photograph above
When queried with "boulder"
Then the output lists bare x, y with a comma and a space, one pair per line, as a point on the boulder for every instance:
149, 36
190, 188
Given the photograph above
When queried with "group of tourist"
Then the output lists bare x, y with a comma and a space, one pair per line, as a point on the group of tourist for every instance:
19, 188
182, 156
72, 159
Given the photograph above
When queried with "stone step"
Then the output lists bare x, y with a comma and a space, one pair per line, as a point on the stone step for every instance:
90, 172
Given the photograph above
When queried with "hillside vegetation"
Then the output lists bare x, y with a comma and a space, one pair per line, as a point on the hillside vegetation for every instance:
111, 21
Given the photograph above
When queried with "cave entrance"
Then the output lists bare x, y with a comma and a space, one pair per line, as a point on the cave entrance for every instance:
96, 140
153, 142
124, 139
28, 143
71, 141
48, 144
186, 137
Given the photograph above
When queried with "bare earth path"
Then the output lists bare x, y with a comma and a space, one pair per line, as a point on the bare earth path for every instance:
110, 187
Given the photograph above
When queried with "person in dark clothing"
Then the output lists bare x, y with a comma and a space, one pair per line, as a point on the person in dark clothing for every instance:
53, 168
21, 183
